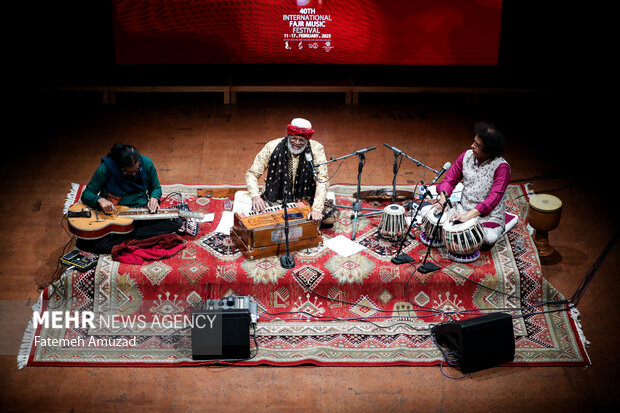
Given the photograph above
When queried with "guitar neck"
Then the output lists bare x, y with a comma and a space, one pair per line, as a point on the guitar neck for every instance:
143, 214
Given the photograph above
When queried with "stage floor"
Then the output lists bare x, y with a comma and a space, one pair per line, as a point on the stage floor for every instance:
197, 139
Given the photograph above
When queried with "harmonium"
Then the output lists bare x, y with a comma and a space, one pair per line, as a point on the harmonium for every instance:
261, 234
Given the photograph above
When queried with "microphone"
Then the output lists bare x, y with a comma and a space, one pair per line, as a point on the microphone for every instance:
361, 151
445, 195
310, 161
445, 167
396, 150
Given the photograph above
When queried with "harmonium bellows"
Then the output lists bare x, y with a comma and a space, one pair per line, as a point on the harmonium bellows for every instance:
259, 235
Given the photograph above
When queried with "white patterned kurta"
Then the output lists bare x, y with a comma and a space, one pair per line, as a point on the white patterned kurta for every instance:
477, 183
261, 163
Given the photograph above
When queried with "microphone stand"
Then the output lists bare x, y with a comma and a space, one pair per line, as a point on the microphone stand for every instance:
286, 261
397, 153
418, 163
356, 206
395, 170
427, 267
406, 258
360, 152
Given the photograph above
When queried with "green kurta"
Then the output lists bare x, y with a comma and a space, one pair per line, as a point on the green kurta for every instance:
96, 188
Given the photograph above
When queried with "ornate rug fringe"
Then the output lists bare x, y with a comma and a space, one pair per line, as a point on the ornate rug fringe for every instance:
70, 199
28, 339
575, 314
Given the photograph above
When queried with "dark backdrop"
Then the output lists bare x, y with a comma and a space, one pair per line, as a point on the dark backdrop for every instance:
71, 43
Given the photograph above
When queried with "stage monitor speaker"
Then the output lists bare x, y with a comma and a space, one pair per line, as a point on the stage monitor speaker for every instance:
221, 334
479, 342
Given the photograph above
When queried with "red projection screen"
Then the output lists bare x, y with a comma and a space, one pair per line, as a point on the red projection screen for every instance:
370, 32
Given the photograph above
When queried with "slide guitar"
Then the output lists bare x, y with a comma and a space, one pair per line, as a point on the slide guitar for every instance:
89, 223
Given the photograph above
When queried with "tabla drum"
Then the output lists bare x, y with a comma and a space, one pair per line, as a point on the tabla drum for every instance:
432, 228
463, 240
393, 224
543, 215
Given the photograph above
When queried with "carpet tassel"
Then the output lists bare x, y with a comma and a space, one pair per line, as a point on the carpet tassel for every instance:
26, 346
70, 199
575, 314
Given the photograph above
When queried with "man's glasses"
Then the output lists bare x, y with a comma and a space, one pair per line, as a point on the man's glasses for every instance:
298, 139
131, 172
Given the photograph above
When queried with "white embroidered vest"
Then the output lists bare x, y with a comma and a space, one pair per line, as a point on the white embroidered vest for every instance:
477, 182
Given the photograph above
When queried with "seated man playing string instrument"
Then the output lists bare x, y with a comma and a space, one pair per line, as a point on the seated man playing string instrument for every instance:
485, 176
125, 177
290, 172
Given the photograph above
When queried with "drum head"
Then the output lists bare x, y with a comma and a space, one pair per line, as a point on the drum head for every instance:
452, 227
463, 240
429, 214
545, 203
394, 209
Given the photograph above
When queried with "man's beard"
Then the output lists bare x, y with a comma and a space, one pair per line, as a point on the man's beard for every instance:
293, 150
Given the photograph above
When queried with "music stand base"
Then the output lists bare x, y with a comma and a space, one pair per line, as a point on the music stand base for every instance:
287, 261
428, 267
402, 259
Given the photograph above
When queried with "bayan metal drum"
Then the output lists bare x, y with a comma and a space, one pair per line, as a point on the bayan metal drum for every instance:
463, 240
432, 233
393, 224
543, 215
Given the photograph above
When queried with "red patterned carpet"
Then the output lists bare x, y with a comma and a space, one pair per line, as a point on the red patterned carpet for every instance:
328, 310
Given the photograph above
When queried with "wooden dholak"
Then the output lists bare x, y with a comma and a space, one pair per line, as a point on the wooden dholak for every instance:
543, 215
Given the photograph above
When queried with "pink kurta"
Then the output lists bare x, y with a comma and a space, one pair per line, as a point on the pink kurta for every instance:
484, 186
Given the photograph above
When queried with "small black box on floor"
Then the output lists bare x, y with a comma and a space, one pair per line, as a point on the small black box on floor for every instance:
79, 260
479, 342
221, 334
